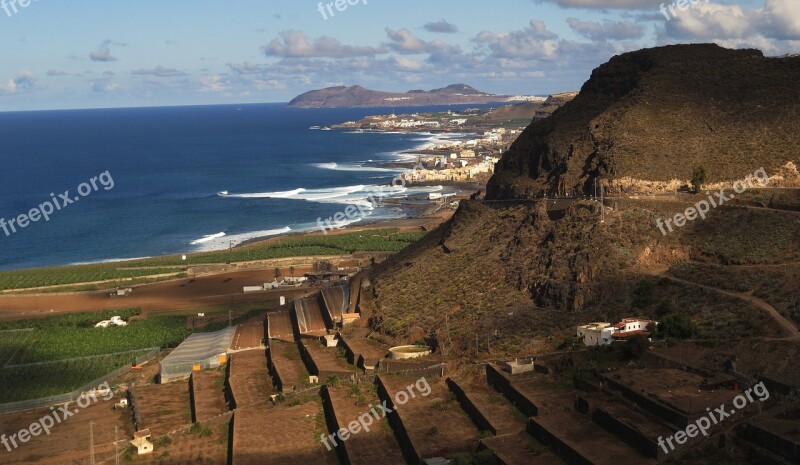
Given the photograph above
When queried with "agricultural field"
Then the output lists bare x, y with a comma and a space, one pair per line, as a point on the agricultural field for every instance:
12, 342
381, 240
37, 381
22, 279
62, 353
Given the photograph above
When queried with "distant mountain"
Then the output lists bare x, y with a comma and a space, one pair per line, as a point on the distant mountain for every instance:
360, 97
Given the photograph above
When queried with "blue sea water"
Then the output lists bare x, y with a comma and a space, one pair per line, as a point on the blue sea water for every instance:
169, 165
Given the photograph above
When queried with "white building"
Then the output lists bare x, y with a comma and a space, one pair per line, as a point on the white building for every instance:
596, 334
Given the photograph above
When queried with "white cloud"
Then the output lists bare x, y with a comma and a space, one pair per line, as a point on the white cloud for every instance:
103, 52
295, 44
608, 30
605, 4
441, 26
22, 81
534, 42
159, 71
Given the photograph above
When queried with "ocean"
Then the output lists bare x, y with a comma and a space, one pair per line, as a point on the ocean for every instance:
185, 179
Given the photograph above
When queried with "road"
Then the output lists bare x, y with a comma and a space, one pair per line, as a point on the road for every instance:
783, 322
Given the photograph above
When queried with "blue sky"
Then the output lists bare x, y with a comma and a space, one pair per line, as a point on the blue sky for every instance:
114, 53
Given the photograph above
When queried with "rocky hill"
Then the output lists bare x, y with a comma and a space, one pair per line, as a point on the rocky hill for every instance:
360, 97
646, 119
508, 278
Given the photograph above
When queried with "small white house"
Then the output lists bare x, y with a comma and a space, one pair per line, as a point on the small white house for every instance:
141, 441
596, 334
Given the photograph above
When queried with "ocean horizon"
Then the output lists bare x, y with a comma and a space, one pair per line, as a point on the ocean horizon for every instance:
188, 179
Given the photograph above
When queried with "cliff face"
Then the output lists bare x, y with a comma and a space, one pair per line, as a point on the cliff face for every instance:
649, 117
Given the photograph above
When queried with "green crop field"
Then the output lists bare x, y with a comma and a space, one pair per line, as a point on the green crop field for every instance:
34, 382
67, 341
22, 279
380, 240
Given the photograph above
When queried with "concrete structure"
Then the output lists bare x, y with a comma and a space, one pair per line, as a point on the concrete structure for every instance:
348, 318
518, 366
141, 441
596, 334
405, 352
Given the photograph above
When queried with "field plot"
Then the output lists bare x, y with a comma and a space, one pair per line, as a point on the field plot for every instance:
68, 443
675, 388
546, 396
521, 449
280, 435
208, 394
328, 360
249, 378
11, 343
376, 446
38, 381
577, 432
203, 444
162, 408
436, 424
249, 335
503, 417
280, 326
365, 353
287, 366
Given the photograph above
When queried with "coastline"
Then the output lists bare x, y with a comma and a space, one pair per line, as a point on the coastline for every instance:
426, 219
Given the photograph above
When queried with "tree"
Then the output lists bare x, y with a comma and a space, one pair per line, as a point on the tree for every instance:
677, 326
636, 346
323, 266
277, 273
698, 178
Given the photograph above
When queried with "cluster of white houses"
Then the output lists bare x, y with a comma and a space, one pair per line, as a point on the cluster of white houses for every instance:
603, 334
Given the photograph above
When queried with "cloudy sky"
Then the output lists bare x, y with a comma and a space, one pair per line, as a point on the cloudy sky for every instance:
117, 53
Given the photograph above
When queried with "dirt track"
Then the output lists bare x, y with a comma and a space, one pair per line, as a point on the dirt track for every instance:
205, 291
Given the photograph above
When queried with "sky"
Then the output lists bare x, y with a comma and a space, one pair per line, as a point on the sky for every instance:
122, 53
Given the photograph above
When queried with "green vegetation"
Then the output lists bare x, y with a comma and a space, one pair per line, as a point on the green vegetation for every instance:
22, 279
34, 382
75, 353
380, 240
698, 178
201, 430
742, 237
677, 326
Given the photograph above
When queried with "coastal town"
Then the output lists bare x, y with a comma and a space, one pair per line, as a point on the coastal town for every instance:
477, 137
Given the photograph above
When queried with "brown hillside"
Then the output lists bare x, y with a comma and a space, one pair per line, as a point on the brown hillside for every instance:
514, 278
654, 115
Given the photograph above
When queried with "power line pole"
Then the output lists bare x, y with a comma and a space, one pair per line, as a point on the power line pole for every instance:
91, 443
116, 450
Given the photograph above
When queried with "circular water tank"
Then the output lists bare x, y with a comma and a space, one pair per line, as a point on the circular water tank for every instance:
404, 352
